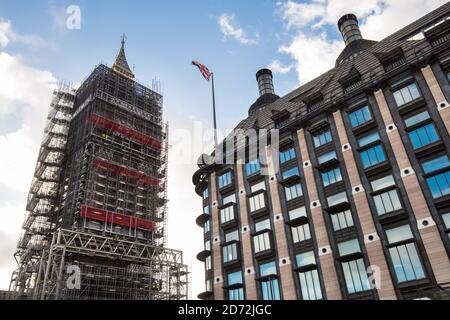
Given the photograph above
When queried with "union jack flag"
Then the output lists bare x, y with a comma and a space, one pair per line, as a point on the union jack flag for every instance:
203, 69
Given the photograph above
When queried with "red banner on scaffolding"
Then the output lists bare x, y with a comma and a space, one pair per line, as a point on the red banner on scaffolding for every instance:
116, 218
134, 135
131, 174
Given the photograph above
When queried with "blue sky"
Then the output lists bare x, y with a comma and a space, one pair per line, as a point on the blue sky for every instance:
163, 37
234, 38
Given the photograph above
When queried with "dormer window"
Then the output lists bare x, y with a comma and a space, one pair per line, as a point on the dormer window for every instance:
314, 101
439, 33
351, 81
280, 118
392, 59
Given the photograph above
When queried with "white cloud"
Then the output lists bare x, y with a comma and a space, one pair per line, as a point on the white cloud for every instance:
314, 51
8, 35
301, 14
226, 23
25, 92
277, 67
314, 55
9, 236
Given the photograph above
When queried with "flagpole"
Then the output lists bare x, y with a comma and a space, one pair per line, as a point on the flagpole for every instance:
214, 110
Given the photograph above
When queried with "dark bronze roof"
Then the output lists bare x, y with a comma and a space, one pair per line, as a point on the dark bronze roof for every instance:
362, 56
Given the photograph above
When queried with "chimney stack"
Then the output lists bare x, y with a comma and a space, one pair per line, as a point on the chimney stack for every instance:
349, 28
265, 81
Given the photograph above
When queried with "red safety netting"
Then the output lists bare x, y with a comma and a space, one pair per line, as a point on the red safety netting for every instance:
131, 174
134, 135
116, 218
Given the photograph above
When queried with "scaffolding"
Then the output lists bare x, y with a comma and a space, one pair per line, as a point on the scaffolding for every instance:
165, 209
98, 202
42, 203
109, 268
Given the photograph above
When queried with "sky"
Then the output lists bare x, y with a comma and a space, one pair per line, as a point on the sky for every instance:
298, 40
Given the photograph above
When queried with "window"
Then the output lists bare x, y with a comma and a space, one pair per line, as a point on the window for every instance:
327, 157
309, 281
227, 214
252, 167
262, 225
208, 263
261, 242
229, 252
232, 236
406, 261
287, 155
373, 156
234, 280
322, 138
208, 245
418, 118
439, 183
355, 271
206, 209
269, 286
207, 226
423, 136
360, 116
348, 247
229, 199
290, 173
301, 233
257, 202
209, 286
332, 176
305, 259
337, 199
205, 193
406, 94
383, 183
446, 219
436, 164
293, 191
258, 186
387, 202
368, 139
342, 220
297, 213
224, 180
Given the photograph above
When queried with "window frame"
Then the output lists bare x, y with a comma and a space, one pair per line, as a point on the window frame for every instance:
252, 168
350, 260
335, 176
433, 174
257, 202
235, 287
289, 193
291, 154
219, 179
356, 110
326, 134
269, 279
308, 277
424, 127
408, 83
405, 242
369, 147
